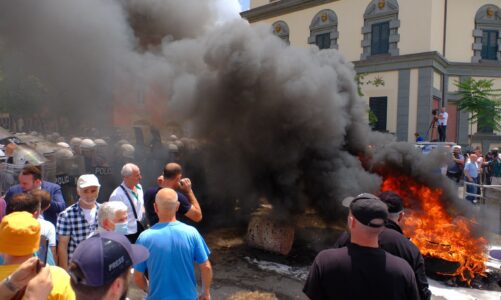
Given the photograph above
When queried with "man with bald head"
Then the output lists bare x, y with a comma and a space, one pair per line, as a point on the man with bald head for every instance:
173, 246
189, 208
471, 176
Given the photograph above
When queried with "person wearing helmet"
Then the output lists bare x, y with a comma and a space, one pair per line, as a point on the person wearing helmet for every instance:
75, 144
88, 152
63, 145
103, 170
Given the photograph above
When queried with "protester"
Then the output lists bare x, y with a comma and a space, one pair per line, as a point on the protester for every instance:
112, 216
38, 285
80, 219
361, 270
101, 265
471, 176
130, 193
172, 178
31, 203
442, 124
30, 179
173, 246
456, 166
495, 163
19, 240
392, 240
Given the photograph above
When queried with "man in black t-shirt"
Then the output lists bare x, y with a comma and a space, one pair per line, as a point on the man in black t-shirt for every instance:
393, 241
189, 208
361, 270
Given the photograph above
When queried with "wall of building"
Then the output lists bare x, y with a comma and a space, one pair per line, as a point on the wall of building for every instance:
389, 90
413, 103
349, 28
415, 26
437, 25
460, 26
257, 3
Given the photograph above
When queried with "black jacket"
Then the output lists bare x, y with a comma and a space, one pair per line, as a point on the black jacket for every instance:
393, 241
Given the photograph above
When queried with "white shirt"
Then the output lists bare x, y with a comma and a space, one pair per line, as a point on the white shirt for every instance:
119, 195
48, 230
90, 215
443, 121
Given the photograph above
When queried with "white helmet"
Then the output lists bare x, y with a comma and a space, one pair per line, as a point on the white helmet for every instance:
173, 147
44, 149
75, 142
23, 155
87, 144
100, 142
122, 141
63, 145
173, 137
64, 153
127, 150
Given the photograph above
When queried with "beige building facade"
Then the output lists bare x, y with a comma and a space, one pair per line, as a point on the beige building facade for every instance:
419, 48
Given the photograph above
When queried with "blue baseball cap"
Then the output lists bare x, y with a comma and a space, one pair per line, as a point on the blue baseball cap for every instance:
105, 256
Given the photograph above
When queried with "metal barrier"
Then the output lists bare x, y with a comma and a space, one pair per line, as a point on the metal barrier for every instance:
484, 188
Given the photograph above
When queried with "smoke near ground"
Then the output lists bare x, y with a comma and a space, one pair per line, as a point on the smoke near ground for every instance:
275, 122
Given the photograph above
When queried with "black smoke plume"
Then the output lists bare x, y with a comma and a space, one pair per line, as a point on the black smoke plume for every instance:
276, 122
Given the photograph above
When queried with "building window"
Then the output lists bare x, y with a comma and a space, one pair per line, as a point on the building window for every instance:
380, 38
323, 41
281, 29
486, 42
323, 30
379, 106
380, 31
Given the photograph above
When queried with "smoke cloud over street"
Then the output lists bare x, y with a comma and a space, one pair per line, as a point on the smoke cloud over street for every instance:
275, 122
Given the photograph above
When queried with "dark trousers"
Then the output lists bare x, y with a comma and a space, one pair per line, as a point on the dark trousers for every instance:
442, 129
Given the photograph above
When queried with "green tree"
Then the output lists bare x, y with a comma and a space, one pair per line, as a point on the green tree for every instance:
360, 80
482, 101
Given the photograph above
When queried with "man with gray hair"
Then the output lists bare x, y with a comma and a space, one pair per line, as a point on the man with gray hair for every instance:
112, 216
130, 193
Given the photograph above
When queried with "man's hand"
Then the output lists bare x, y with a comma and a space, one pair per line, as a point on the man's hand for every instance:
204, 296
40, 286
185, 185
24, 273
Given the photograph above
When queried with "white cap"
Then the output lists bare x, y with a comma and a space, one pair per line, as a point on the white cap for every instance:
87, 180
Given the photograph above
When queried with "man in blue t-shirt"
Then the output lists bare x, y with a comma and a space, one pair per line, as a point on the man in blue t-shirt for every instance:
174, 249
189, 208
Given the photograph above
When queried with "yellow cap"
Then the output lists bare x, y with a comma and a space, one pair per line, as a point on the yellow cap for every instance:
19, 234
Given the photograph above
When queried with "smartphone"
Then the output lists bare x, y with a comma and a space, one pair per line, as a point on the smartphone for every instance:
42, 255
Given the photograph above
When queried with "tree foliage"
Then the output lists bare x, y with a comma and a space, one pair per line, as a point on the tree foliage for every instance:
482, 101
360, 80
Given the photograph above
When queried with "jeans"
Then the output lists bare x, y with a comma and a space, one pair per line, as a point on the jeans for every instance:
471, 189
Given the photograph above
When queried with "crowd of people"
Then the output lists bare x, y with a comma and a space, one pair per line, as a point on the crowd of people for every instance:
88, 249
475, 168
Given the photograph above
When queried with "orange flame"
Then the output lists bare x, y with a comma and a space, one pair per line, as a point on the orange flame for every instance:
435, 232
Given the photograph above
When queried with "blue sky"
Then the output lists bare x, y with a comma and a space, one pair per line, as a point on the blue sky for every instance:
244, 4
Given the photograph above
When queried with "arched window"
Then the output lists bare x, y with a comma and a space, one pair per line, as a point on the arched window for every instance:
323, 30
380, 29
281, 29
486, 42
